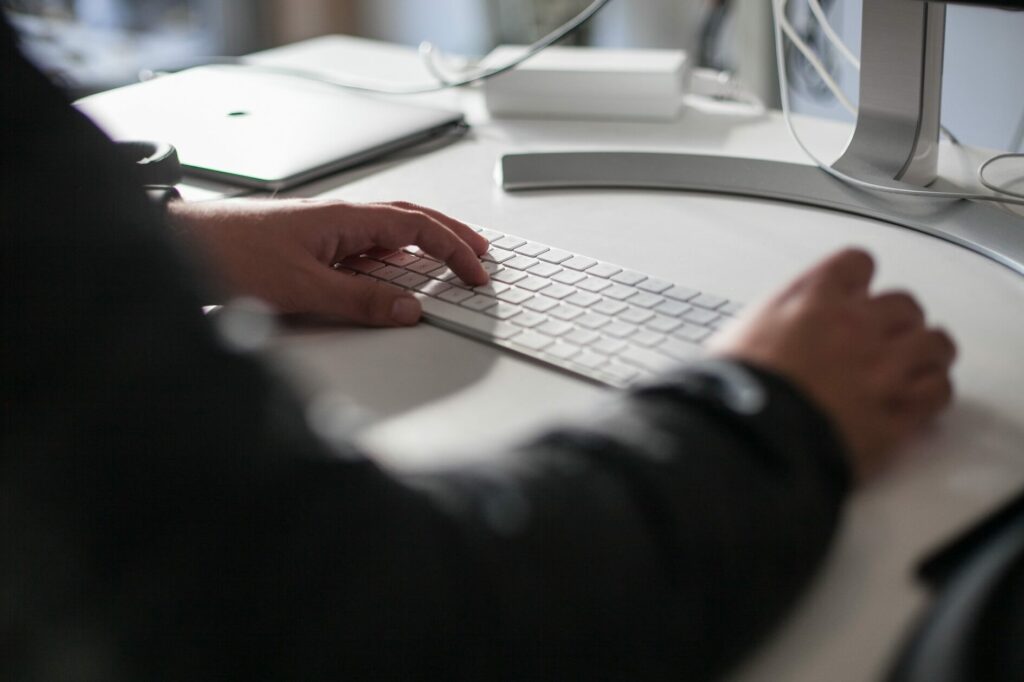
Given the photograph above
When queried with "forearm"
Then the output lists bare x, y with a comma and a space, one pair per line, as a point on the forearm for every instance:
658, 540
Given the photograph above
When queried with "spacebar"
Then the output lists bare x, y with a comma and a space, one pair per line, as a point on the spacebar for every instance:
459, 317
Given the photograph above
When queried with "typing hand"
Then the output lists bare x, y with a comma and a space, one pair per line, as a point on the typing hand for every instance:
281, 251
868, 360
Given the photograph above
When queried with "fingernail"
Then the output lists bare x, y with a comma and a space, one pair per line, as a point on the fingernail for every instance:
405, 311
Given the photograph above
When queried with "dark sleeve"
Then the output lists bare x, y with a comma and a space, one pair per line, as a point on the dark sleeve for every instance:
167, 513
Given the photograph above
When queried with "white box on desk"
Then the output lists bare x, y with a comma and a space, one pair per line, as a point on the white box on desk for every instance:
590, 83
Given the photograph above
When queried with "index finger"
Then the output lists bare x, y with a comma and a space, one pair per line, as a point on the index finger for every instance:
846, 272
395, 228
476, 241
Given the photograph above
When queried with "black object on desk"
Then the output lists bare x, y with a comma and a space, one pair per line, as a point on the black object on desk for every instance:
975, 628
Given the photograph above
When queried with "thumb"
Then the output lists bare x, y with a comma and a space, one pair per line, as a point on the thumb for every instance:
366, 301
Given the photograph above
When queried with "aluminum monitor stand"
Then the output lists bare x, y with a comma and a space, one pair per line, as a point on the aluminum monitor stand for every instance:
895, 142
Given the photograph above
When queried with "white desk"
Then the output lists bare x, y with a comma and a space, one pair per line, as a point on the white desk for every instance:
429, 396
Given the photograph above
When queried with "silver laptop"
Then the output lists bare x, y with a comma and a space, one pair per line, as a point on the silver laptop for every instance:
261, 130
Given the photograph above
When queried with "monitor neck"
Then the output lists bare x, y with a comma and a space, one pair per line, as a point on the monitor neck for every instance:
897, 133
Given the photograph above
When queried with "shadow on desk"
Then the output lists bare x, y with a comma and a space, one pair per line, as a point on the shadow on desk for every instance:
393, 371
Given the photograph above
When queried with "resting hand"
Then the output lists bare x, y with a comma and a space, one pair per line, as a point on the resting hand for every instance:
868, 360
282, 251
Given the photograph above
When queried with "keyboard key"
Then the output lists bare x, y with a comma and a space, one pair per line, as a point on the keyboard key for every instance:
562, 351
503, 311
731, 308
679, 349
559, 291
647, 359
515, 296
584, 299
647, 338
590, 360
545, 270
672, 308
410, 280
655, 286
608, 346
443, 273
619, 330
681, 293
532, 283
533, 341
433, 288
509, 276
401, 260
569, 277
619, 292
479, 303
629, 278
498, 255
621, 374
455, 295
579, 263
566, 312
555, 328
691, 332
663, 324
540, 304
521, 263
363, 265
582, 337
708, 301
645, 300
528, 319
388, 273
593, 321
424, 266
490, 235
636, 316
531, 249
594, 284
700, 316
490, 267
609, 307
492, 289
555, 256
603, 270
507, 242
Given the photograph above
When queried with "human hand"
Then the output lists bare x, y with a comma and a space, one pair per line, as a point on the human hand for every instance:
868, 360
282, 251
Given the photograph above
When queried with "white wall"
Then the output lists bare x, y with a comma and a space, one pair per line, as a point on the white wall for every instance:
456, 26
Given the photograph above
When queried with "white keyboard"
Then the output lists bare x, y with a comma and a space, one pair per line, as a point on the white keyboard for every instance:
592, 318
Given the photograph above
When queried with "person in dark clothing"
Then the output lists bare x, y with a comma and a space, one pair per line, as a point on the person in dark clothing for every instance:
168, 514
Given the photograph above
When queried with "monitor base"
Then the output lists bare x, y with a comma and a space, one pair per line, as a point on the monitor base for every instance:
988, 230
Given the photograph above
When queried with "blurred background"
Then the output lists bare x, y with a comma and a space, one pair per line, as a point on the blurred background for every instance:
91, 45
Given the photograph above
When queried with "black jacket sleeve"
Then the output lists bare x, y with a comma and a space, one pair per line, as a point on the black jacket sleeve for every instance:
167, 514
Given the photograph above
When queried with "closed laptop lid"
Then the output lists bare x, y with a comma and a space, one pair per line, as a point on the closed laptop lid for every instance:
261, 129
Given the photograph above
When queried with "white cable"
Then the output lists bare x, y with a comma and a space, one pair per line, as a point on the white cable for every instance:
383, 89
994, 187
428, 55
783, 22
778, 7
715, 88
830, 33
